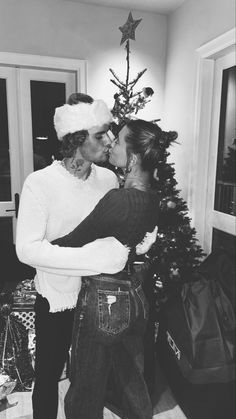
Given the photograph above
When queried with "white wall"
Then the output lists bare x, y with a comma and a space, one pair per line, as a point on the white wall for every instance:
192, 25
67, 29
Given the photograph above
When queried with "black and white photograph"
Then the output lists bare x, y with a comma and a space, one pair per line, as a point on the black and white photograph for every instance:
117, 209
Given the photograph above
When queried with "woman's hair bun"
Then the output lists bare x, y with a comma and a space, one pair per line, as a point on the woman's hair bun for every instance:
165, 138
149, 141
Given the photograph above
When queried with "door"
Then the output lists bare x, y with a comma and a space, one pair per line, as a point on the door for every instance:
28, 142
220, 228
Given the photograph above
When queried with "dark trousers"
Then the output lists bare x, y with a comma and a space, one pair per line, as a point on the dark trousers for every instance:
53, 340
110, 321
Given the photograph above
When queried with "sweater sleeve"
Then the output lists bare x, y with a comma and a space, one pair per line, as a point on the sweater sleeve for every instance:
109, 213
33, 249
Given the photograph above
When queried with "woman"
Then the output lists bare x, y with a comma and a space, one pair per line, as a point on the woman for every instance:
112, 311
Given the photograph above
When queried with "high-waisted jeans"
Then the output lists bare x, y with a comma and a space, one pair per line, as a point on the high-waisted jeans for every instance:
110, 320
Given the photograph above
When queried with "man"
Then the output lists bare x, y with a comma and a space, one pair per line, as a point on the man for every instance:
53, 201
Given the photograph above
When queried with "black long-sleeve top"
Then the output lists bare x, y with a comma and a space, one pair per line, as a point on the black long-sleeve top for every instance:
126, 214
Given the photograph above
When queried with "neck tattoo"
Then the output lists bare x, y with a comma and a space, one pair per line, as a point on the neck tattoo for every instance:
77, 167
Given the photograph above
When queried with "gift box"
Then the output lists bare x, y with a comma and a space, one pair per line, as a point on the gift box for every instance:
24, 295
7, 385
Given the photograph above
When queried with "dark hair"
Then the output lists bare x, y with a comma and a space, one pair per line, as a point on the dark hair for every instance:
148, 140
76, 98
70, 142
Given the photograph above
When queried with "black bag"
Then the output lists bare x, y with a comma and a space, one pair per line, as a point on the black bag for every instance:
200, 323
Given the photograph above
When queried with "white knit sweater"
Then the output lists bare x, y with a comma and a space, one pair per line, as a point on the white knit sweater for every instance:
53, 202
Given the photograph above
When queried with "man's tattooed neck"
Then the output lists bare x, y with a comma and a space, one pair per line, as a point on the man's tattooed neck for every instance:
77, 165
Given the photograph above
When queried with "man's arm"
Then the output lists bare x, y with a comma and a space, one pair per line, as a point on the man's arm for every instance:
104, 255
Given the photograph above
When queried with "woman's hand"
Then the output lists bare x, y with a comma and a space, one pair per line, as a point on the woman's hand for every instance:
147, 242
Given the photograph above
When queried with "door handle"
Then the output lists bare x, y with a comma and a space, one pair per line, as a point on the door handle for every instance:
17, 201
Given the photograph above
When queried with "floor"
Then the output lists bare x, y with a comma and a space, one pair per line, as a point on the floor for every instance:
19, 406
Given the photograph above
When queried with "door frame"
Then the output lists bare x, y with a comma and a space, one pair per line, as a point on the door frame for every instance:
207, 55
50, 63
78, 67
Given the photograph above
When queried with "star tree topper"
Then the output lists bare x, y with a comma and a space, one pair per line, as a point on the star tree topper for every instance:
128, 29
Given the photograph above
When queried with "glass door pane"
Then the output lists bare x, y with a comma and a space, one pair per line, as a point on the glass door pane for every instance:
45, 97
5, 176
41, 91
225, 193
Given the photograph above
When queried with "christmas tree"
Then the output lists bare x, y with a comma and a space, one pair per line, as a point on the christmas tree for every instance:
175, 253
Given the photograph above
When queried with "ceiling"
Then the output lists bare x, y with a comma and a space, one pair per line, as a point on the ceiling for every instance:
156, 6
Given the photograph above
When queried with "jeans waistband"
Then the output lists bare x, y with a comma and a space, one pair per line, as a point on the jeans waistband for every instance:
134, 279
109, 278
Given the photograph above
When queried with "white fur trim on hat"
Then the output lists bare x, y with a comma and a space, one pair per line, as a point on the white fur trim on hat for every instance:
82, 116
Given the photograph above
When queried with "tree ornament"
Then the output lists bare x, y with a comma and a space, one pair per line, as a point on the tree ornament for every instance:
128, 29
171, 205
174, 265
175, 272
147, 91
155, 175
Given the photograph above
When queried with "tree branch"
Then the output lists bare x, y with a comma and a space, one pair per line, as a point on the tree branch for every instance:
116, 77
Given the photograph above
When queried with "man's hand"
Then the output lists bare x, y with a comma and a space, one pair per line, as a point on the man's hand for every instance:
147, 242
113, 255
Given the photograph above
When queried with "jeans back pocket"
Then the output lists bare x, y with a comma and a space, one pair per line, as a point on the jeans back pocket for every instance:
114, 311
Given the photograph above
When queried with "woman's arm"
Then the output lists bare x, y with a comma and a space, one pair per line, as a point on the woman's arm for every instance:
102, 222
113, 216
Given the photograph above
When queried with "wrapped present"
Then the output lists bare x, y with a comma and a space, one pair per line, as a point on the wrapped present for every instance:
24, 294
7, 384
15, 359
